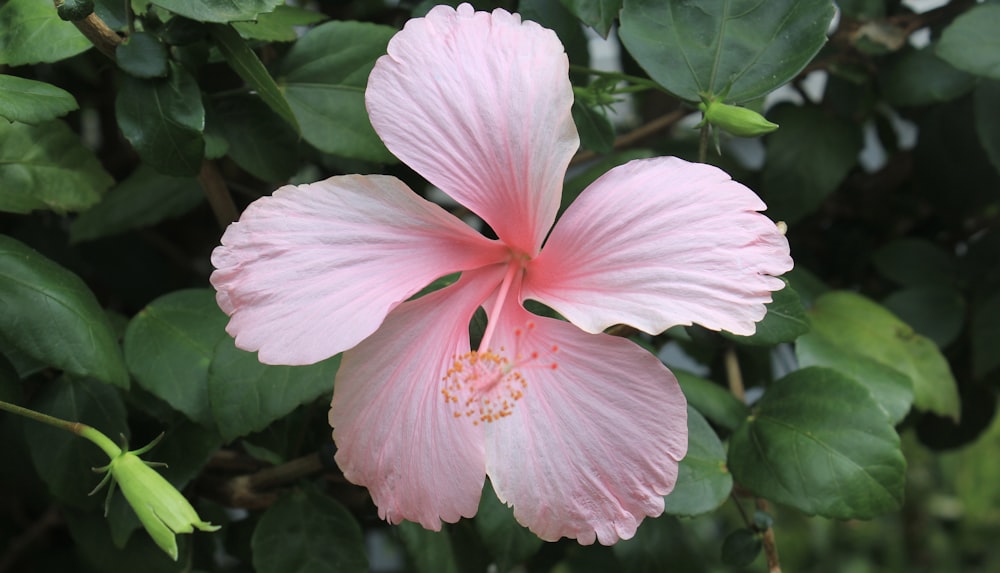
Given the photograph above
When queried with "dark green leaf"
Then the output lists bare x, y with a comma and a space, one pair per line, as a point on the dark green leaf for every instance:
246, 396
245, 62
49, 314
862, 9
915, 262
429, 551
62, 459
257, 139
324, 77
308, 532
971, 42
92, 538
739, 49
163, 119
554, 16
507, 540
658, 546
986, 336
169, 346
598, 14
219, 10
987, 120
703, 482
596, 131
143, 56
142, 200
784, 322
47, 167
806, 160
740, 548
31, 32
30, 101
861, 327
712, 401
819, 442
935, 311
278, 26
919, 77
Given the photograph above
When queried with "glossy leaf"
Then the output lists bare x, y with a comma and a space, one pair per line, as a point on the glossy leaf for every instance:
935, 311
818, 442
31, 32
784, 322
324, 76
34, 102
738, 49
246, 396
987, 121
169, 346
62, 459
508, 541
712, 401
95, 544
806, 160
920, 77
596, 131
143, 56
970, 42
47, 167
248, 66
703, 481
163, 119
257, 139
49, 314
861, 327
142, 200
429, 551
218, 10
740, 548
278, 26
598, 14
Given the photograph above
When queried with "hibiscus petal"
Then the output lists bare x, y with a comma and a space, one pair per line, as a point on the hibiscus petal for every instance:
313, 270
592, 446
394, 431
660, 242
479, 104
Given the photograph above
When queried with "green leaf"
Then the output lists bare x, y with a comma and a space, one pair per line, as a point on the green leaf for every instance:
920, 77
163, 119
891, 389
806, 160
712, 401
818, 442
598, 14
143, 56
92, 539
49, 314
47, 167
30, 101
985, 333
218, 10
246, 396
169, 346
739, 49
552, 14
257, 139
62, 459
142, 200
308, 532
703, 481
987, 121
740, 548
278, 26
915, 262
429, 551
935, 311
248, 66
596, 131
508, 541
860, 327
659, 545
324, 76
784, 322
971, 42
31, 33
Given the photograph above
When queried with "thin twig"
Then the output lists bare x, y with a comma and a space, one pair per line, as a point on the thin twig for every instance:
217, 193
637, 134
100, 35
22, 542
770, 545
250, 491
733, 374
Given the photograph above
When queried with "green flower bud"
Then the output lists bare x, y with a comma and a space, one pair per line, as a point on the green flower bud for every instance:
161, 509
736, 120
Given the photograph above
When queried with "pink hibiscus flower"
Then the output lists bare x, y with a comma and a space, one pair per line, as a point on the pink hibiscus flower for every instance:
581, 432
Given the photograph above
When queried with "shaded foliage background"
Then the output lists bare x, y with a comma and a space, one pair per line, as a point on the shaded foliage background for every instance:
870, 443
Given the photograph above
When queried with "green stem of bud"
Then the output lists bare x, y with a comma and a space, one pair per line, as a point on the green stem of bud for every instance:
82, 430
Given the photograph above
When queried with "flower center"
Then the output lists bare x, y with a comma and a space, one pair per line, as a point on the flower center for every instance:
484, 385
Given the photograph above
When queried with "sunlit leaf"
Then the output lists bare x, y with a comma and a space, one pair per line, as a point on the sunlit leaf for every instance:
703, 481
31, 32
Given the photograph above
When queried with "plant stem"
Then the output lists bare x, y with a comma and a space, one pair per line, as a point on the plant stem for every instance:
217, 193
82, 430
770, 545
618, 76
